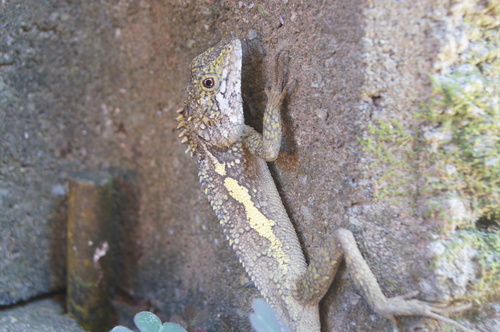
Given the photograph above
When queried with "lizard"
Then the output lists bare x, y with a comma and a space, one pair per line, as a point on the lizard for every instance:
232, 168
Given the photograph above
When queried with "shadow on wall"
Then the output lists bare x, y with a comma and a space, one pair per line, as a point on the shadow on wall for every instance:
125, 227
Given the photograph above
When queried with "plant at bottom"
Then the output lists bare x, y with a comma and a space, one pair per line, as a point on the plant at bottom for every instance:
148, 322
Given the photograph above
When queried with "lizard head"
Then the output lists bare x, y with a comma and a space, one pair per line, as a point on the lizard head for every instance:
213, 112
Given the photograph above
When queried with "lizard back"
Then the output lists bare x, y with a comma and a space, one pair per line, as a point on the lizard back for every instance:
238, 183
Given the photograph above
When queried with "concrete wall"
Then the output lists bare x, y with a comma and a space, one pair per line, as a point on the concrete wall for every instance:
95, 85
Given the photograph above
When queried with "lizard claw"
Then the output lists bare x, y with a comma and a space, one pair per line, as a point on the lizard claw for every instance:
405, 306
280, 88
281, 69
408, 296
437, 307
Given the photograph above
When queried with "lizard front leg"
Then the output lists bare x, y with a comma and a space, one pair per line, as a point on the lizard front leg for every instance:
321, 271
267, 145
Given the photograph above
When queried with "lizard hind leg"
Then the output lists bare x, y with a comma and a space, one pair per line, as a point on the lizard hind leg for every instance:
367, 284
312, 286
321, 271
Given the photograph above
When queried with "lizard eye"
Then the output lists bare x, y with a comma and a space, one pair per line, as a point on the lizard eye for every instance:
209, 82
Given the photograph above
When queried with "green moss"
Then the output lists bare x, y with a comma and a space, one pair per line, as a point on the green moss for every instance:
487, 254
391, 145
450, 159
466, 104
456, 150
468, 163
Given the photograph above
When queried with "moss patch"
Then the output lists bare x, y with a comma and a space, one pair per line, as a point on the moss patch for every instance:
454, 157
486, 248
450, 159
392, 146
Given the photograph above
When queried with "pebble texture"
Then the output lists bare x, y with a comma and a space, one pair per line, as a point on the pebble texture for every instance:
42, 316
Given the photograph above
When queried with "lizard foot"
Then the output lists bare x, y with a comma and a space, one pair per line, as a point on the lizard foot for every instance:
278, 90
405, 305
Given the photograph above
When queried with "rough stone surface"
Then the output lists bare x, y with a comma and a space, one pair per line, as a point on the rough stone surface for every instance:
95, 85
41, 315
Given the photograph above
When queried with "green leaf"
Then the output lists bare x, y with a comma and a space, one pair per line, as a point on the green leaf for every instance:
121, 329
263, 319
147, 322
171, 327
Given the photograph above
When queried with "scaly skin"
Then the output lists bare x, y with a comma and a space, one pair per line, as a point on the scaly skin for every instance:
234, 176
